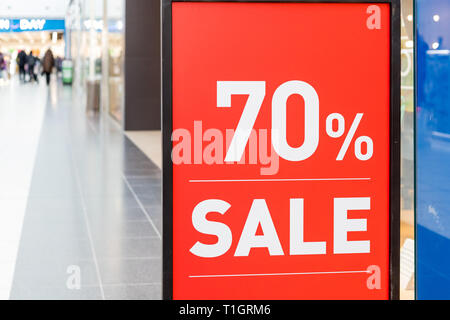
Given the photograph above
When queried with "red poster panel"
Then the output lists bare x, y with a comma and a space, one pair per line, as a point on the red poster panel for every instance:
281, 150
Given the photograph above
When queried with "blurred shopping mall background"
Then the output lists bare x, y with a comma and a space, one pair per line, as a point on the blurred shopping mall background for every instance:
80, 177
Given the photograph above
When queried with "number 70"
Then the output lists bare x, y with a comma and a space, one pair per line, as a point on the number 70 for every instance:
257, 91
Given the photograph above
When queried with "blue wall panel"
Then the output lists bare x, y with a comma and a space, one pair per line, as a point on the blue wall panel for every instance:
433, 149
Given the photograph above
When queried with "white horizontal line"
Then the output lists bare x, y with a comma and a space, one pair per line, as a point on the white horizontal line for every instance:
275, 180
274, 274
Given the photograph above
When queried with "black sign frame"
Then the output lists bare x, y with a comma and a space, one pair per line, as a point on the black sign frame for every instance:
395, 132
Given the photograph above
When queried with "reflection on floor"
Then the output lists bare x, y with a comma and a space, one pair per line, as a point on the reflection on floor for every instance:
92, 226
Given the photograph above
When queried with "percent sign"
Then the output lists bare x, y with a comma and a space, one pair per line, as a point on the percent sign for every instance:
349, 137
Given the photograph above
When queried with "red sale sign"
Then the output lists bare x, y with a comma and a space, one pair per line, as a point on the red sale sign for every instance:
280, 126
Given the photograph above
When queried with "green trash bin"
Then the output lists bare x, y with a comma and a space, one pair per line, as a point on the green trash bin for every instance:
67, 71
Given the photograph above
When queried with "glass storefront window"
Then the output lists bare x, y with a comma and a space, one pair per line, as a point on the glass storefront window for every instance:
116, 56
104, 51
432, 149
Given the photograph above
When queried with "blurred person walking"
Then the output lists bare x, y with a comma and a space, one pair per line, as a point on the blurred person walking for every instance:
31, 62
48, 62
21, 61
58, 64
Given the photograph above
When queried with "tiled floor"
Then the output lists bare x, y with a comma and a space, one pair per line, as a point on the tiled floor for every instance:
93, 210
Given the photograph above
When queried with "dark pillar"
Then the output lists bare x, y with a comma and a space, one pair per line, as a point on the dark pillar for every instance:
142, 65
